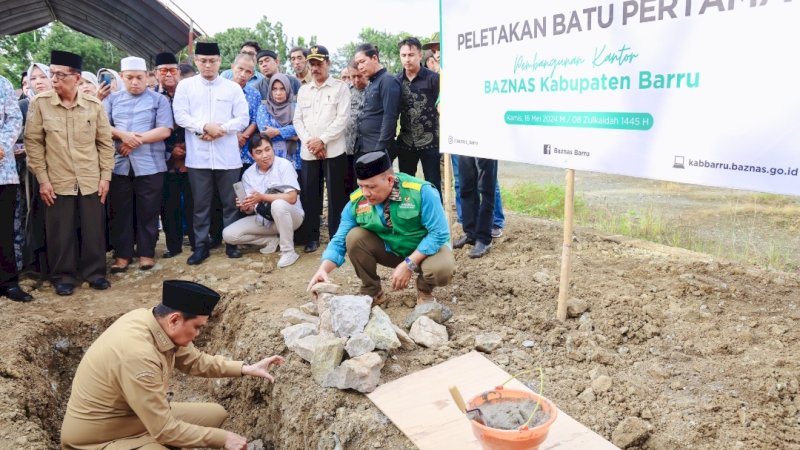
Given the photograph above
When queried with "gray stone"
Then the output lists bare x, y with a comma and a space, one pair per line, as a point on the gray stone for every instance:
488, 342
436, 311
587, 395
359, 344
576, 307
258, 444
528, 344
349, 314
603, 356
296, 332
325, 323
310, 308
602, 384
380, 329
631, 431
361, 373
295, 316
406, 343
327, 356
427, 333
305, 347
325, 288
541, 277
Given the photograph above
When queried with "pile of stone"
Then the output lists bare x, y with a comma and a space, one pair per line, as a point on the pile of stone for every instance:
347, 340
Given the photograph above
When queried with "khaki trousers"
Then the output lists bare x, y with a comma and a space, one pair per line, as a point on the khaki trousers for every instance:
367, 250
286, 218
80, 431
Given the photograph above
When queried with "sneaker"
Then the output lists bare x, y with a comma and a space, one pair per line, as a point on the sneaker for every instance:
479, 250
271, 247
287, 259
497, 232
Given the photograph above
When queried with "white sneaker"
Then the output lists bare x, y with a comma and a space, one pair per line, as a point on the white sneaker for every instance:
271, 247
287, 259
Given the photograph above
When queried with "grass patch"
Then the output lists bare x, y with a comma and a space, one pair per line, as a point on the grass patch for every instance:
540, 200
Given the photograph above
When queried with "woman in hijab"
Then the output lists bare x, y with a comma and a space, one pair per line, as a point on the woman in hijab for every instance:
88, 84
274, 119
106, 89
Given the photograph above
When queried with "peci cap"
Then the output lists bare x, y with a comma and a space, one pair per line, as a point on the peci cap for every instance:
264, 53
132, 63
165, 58
319, 53
371, 164
189, 297
206, 48
68, 59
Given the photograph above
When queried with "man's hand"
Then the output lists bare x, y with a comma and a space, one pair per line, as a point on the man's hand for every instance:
235, 442
320, 277
131, 139
102, 191
242, 139
124, 150
103, 91
252, 200
213, 130
316, 147
259, 369
47, 193
401, 276
2, 153
179, 151
244, 209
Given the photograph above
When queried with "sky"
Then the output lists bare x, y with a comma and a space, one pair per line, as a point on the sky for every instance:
334, 22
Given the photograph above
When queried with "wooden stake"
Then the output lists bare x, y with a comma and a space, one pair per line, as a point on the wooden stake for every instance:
566, 251
447, 190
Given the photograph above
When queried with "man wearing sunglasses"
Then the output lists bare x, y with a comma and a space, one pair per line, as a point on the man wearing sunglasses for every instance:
68, 141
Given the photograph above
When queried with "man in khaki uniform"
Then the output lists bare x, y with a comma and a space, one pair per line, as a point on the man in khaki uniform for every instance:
119, 397
68, 141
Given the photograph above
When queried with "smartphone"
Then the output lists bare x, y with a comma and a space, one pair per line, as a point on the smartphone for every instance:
240, 192
106, 78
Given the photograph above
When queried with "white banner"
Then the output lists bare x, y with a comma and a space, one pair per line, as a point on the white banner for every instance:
694, 91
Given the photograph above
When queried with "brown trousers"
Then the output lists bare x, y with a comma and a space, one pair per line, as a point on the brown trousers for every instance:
69, 214
204, 414
367, 250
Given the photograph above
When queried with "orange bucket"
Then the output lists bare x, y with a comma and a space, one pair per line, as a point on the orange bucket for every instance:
521, 439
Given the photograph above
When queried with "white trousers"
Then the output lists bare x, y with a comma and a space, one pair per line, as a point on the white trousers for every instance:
248, 230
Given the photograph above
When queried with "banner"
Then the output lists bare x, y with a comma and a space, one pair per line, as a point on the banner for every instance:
693, 91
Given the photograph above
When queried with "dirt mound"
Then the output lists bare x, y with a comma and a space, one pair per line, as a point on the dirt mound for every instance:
704, 352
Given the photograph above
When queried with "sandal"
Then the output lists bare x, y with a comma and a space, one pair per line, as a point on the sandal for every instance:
146, 265
117, 267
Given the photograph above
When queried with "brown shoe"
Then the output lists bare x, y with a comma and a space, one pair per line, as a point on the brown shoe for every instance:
379, 299
425, 297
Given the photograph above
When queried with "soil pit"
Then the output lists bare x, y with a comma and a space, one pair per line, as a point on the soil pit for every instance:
703, 352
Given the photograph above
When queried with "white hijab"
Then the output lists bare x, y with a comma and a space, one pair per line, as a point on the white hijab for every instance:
44, 69
120, 84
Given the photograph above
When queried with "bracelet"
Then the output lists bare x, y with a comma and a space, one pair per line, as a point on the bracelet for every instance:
411, 265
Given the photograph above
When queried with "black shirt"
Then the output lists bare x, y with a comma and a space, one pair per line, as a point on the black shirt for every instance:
419, 119
377, 124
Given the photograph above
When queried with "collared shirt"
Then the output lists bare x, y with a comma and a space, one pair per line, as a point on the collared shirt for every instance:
252, 82
71, 148
306, 79
351, 131
322, 112
377, 124
121, 384
198, 102
139, 114
281, 174
419, 119
253, 102
10, 126
279, 145
433, 219
263, 85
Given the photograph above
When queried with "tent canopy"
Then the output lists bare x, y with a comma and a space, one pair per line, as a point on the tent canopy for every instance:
140, 27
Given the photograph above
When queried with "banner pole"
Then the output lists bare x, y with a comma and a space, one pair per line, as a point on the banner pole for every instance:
447, 191
566, 252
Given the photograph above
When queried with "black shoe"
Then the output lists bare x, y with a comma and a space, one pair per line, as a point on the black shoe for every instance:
462, 241
311, 247
232, 251
479, 250
214, 243
100, 284
16, 294
168, 254
64, 289
198, 256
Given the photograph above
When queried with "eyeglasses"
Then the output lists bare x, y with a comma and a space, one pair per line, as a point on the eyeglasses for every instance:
203, 61
61, 75
167, 70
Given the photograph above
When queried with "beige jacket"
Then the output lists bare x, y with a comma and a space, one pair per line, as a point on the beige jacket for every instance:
322, 112
71, 148
120, 388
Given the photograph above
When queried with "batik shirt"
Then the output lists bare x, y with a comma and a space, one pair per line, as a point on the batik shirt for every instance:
253, 98
10, 126
419, 119
356, 105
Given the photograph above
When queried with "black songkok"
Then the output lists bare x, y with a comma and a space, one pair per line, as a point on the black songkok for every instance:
189, 297
165, 58
206, 48
59, 58
371, 164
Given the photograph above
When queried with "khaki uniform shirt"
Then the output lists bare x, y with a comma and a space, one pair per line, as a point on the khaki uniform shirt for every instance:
120, 388
71, 148
322, 112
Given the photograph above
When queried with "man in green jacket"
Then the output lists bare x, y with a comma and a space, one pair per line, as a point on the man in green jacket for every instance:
394, 220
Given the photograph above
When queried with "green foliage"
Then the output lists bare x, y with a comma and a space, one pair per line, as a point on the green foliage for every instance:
18, 51
538, 200
386, 43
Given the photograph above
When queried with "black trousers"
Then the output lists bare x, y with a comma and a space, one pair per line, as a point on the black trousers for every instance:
408, 157
63, 220
8, 261
334, 171
176, 185
204, 183
135, 204
478, 179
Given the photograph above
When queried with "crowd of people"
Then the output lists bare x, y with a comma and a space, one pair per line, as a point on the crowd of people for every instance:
92, 163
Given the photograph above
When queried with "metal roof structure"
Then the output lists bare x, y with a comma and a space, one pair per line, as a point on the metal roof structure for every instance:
140, 27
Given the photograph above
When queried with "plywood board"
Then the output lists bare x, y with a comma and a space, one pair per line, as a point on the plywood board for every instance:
420, 405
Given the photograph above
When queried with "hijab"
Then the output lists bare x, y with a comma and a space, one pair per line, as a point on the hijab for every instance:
90, 77
45, 69
120, 84
282, 112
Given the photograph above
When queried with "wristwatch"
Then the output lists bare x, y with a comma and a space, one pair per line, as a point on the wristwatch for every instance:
411, 265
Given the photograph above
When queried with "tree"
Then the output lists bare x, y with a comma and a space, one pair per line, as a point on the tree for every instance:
269, 37
387, 48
